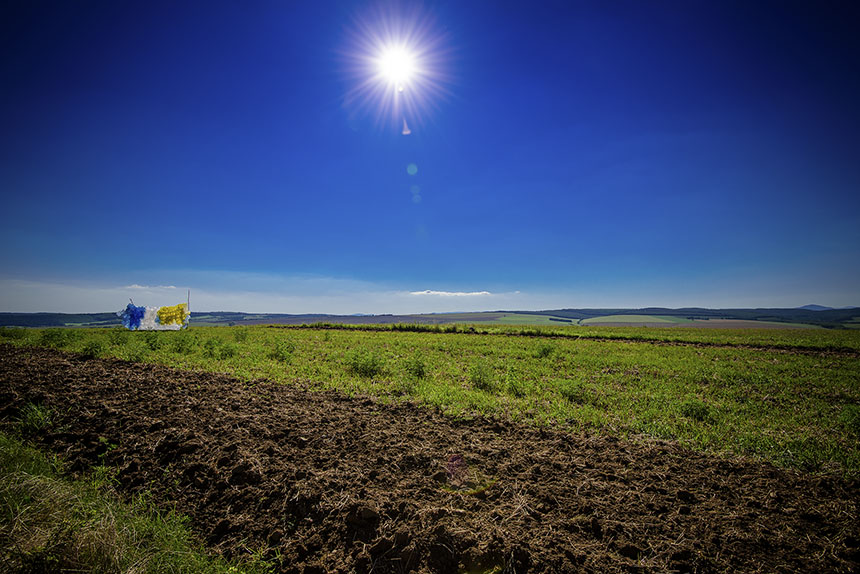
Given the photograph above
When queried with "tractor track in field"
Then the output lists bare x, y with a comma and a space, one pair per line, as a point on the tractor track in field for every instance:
330, 483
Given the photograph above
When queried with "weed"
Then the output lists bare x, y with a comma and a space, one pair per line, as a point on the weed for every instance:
104, 476
513, 385
481, 376
364, 363
217, 349
118, 336
135, 352
106, 445
210, 348
240, 334
573, 391
184, 343
544, 350
282, 351
228, 350
696, 410
35, 418
93, 349
415, 366
153, 340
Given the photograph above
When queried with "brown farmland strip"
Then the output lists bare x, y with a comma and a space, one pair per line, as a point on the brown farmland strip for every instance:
338, 484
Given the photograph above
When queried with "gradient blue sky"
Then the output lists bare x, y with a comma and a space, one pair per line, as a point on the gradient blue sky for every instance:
575, 154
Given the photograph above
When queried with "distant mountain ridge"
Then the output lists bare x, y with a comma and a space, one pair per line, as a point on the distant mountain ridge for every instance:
813, 307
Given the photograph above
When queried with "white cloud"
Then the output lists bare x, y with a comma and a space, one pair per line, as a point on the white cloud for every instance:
453, 293
149, 287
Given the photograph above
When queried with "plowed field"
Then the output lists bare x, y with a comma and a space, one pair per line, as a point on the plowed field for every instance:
336, 484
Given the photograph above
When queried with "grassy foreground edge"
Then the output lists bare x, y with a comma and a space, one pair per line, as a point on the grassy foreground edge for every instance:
51, 523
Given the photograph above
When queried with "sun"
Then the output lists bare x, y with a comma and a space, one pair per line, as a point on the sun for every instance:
398, 64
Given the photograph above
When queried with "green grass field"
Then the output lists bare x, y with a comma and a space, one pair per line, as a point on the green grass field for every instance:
789, 397
529, 319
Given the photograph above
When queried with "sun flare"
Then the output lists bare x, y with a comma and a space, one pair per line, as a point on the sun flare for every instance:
398, 63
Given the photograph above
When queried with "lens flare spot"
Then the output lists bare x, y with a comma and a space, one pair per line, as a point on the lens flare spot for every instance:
412, 169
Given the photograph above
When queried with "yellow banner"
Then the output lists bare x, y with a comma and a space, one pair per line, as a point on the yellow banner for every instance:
175, 315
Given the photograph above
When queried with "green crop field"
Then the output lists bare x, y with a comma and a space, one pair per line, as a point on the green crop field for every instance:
635, 319
791, 397
529, 319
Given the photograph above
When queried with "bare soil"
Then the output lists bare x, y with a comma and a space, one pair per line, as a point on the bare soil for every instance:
330, 483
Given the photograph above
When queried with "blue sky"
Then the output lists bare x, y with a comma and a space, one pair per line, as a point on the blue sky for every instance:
568, 154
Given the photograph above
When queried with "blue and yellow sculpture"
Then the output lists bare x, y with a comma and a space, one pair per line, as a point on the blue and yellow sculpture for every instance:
170, 318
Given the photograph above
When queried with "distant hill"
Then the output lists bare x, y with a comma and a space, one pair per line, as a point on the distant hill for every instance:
58, 319
808, 315
832, 318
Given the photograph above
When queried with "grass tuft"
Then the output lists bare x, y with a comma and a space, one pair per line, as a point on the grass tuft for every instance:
416, 367
217, 349
35, 418
184, 343
514, 385
696, 410
544, 350
153, 340
573, 392
118, 336
282, 351
481, 377
93, 349
364, 363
